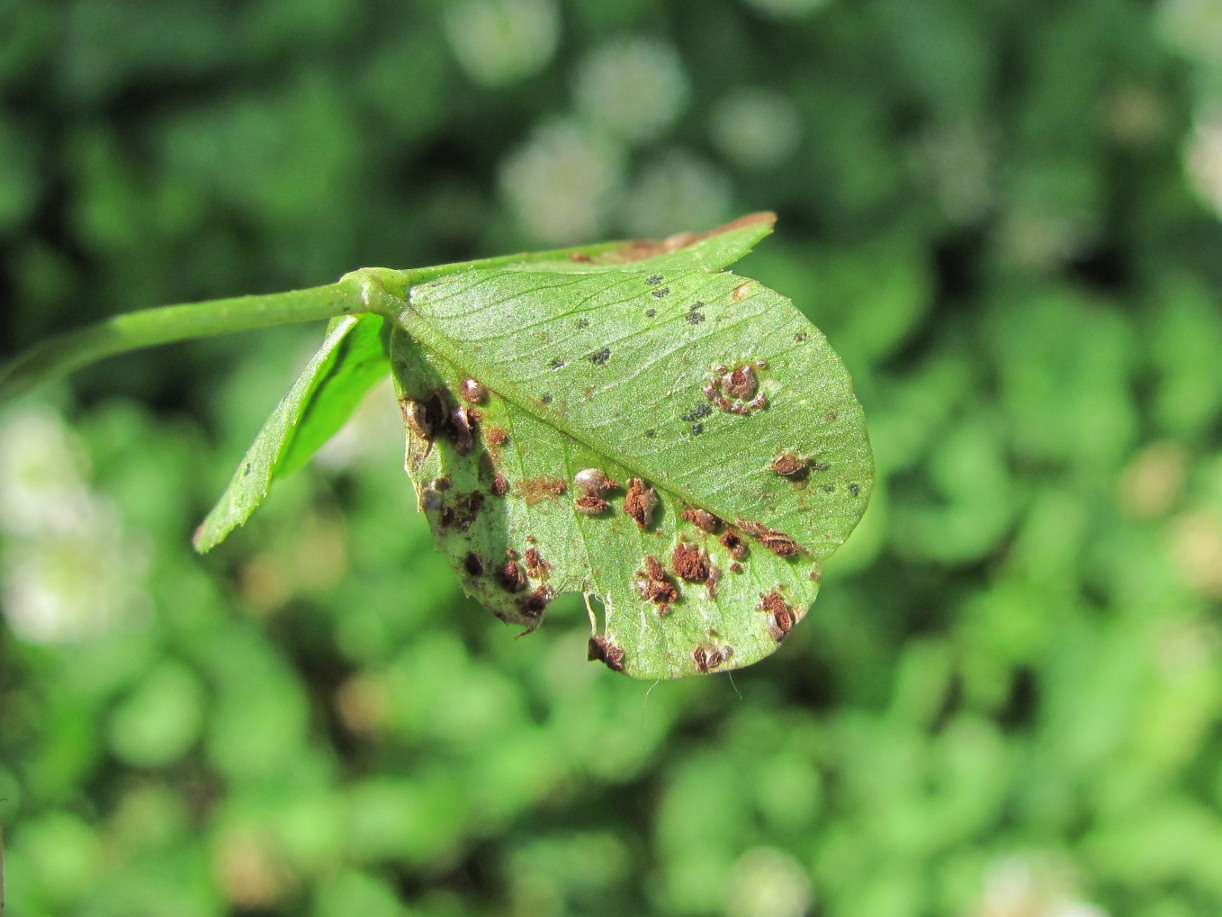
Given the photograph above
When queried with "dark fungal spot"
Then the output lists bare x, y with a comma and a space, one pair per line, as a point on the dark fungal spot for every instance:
697, 429
602, 650
854, 489
820, 466
500, 486
778, 543
640, 502
701, 410
734, 544
590, 505
781, 617
583, 323
557, 362
690, 562
441, 483
511, 576
246, 470
650, 434
702, 519
532, 606
536, 566
651, 313
600, 357
694, 316
659, 293
829, 488
707, 658
473, 565
545, 398
653, 280
788, 465
654, 585
800, 336
447, 517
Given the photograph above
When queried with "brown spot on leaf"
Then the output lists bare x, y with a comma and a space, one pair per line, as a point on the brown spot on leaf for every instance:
640, 249
690, 562
532, 606
781, 617
536, 566
778, 543
640, 502
736, 567
788, 465
532, 490
580, 257
496, 436
740, 291
733, 542
800, 337
702, 519
707, 658
590, 505
500, 486
511, 576
654, 585
600, 357
473, 565
606, 652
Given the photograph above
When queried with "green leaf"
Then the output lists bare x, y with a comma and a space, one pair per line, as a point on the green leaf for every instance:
519, 385
351, 359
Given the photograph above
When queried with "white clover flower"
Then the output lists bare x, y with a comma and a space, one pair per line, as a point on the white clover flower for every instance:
678, 190
561, 183
634, 88
497, 42
756, 127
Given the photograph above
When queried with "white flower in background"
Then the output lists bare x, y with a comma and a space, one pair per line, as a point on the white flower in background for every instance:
1033, 886
634, 88
499, 41
677, 191
787, 9
767, 882
66, 570
561, 183
1205, 158
1194, 27
756, 128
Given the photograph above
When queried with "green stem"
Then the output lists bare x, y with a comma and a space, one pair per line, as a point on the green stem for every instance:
381, 290
168, 324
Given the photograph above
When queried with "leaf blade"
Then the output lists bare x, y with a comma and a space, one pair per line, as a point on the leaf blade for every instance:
574, 363
350, 360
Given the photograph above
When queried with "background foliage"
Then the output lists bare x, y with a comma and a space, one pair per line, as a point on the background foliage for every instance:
1006, 700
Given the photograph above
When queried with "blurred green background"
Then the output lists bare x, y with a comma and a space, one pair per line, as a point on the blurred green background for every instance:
1005, 702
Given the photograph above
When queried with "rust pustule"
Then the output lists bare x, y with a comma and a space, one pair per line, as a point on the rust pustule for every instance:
589, 505
606, 652
640, 502
707, 658
500, 486
781, 617
734, 544
654, 585
789, 465
690, 562
511, 576
778, 543
736, 389
702, 519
